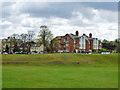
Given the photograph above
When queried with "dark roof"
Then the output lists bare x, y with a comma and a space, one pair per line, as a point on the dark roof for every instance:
74, 36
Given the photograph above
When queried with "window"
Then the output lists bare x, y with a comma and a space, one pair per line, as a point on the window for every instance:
67, 44
67, 38
95, 44
76, 45
64, 40
21, 48
59, 41
74, 41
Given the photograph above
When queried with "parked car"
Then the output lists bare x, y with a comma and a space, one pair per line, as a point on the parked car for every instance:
24, 53
17, 52
90, 53
41, 52
4, 53
33, 53
105, 52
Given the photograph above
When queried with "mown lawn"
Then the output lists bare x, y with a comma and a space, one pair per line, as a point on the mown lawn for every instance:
60, 71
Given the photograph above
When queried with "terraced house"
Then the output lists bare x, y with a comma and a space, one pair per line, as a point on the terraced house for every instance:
75, 43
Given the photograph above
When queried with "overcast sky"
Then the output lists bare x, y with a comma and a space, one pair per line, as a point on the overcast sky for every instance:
100, 19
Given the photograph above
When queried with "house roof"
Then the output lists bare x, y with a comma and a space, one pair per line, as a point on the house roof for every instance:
74, 37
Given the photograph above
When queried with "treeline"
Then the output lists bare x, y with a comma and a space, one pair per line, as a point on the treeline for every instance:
111, 45
44, 37
51, 44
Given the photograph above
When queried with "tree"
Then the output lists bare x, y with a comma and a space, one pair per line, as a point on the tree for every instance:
16, 36
7, 49
45, 36
117, 44
103, 50
105, 41
11, 40
54, 45
31, 36
24, 37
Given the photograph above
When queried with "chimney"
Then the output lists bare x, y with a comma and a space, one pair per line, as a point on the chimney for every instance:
90, 35
77, 33
8, 37
83, 33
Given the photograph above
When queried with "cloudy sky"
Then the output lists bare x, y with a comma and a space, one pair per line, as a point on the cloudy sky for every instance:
98, 18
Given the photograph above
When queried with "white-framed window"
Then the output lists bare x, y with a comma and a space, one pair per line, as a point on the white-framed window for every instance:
21, 48
67, 44
82, 43
95, 44
74, 41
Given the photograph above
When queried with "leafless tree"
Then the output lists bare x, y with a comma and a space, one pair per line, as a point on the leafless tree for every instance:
45, 36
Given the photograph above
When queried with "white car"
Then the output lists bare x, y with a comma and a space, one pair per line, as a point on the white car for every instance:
34, 53
41, 52
105, 52
5, 53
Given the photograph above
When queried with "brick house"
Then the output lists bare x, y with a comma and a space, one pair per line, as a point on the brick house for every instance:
75, 43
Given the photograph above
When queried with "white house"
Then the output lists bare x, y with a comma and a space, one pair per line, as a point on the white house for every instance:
36, 48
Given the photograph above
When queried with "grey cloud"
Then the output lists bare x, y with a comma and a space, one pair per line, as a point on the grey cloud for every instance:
64, 9
58, 10
112, 6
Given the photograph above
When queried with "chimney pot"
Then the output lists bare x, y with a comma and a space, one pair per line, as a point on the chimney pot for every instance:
77, 33
90, 35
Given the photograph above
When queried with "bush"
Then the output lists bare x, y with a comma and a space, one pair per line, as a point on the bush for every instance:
103, 50
93, 50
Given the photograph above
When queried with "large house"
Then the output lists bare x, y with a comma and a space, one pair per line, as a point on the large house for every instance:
36, 48
75, 43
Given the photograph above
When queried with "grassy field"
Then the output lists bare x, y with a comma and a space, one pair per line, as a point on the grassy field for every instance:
60, 71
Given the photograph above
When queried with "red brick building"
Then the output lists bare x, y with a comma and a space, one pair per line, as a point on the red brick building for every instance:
75, 43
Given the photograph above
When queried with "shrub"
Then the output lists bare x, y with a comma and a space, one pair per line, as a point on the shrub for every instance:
103, 50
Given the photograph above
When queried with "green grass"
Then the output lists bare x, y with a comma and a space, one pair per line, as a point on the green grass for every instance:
60, 71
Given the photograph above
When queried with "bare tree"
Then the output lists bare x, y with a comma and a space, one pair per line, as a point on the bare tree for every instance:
31, 35
45, 36
24, 37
